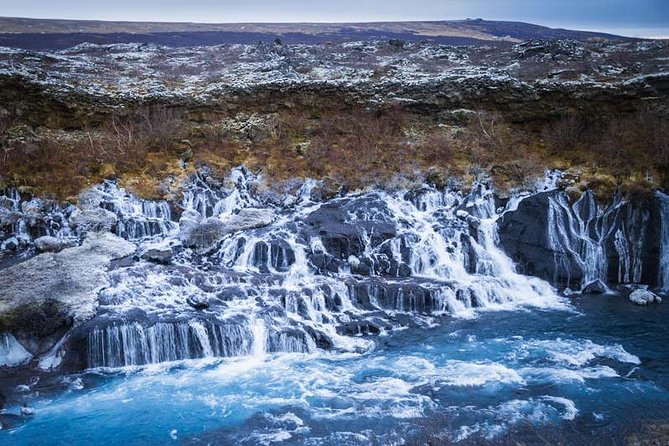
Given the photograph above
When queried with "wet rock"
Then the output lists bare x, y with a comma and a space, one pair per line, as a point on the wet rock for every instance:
11, 244
358, 328
93, 220
322, 340
33, 210
471, 220
9, 217
198, 302
9, 421
90, 199
44, 296
595, 287
248, 218
161, 256
189, 219
205, 235
643, 297
52, 244
524, 238
12, 353
342, 235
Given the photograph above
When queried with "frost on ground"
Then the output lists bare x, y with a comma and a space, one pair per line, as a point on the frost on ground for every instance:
121, 72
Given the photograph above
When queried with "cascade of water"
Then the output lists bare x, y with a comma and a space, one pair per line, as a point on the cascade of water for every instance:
125, 344
137, 219
259, 338
212, 200
664, 241
11, 351
321, 275
629, 240
577, 235
26, 220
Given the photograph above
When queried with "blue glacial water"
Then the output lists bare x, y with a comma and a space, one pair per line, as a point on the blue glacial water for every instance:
591, 374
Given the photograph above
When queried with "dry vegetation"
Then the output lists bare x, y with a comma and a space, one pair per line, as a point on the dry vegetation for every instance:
388, 147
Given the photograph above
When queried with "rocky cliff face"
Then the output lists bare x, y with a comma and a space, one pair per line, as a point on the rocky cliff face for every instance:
529, 81
574, 244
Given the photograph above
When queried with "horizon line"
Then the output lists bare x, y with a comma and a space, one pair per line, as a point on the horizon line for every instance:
595, 28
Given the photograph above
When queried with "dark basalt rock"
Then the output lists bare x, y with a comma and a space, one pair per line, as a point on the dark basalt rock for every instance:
38, 326
276, 254
595, 287
524, 237
9, 421
358, 328
628, 235
197, 302
378, 294
346, 227
161, 256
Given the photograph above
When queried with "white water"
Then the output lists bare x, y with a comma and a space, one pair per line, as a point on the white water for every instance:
664, 240
302, 335
326, 275
579, 235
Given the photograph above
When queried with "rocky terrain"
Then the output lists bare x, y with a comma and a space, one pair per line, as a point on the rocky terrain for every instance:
531, 80
296, 110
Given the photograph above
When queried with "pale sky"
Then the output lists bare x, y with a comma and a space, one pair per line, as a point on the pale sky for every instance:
643, 18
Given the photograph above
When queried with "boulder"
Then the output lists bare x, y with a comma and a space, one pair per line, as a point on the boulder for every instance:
93, 220
595, 287
33, 210
358, 328
90, 199
189, 219
249, 218
12, 352
471, 220
43, 297
523, 237
643, 297
52, 244
156, 255
344, 228
9, 217
198, 302
205, 235
11, 244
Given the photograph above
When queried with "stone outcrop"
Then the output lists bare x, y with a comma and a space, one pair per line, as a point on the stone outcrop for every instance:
205, 234
643, 297
94, 219
584, 243
526, 82
43, 297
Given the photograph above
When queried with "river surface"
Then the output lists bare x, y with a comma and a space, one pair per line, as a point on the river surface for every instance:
593, 371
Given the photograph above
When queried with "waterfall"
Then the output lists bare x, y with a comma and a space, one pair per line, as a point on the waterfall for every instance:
577, 237
259, 338
138, 219
321, 275
125, 344
23, 219
664, 241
